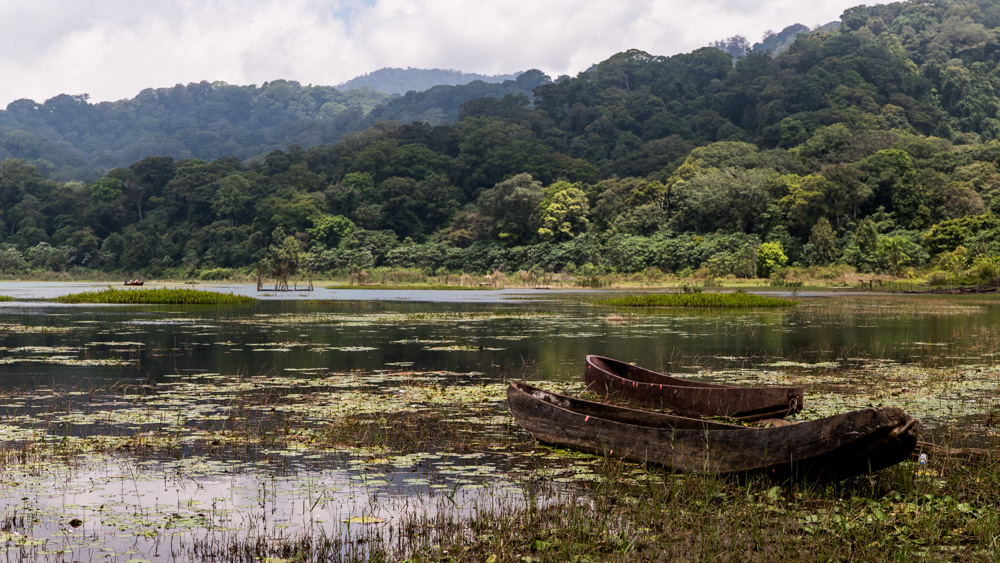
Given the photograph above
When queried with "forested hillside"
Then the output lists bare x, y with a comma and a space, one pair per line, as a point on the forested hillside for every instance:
873, 145
403, 80
68, 138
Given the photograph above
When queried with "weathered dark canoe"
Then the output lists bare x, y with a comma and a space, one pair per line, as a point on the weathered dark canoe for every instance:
830, 448
620, 379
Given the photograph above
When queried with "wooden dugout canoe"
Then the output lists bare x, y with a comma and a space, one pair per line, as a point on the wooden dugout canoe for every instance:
620, 379
835, 447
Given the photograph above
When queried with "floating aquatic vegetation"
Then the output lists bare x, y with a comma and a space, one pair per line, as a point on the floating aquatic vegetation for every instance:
216, 490
15, 328
804, 365
424, 341
40, 349
68, 361
376, 319
462, 348
193, 450
114, 343
709, 300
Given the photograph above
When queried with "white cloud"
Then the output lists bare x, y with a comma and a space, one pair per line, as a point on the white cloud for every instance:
112, 49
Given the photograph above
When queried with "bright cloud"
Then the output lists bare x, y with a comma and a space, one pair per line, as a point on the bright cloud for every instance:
112, 49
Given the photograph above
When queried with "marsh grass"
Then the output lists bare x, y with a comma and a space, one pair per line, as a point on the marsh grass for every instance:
704, 300
159, 296
569, 506
628, 512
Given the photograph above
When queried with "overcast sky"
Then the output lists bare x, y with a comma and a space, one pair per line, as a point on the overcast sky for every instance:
112, 49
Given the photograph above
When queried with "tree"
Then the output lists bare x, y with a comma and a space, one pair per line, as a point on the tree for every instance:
11, 260
893, 179
329, 230
512, 206
892, 251
804, 203
736, 46
770, 257
823, 243
862, 253
950, 234
232, 198
564, 213
729, 199
104, 212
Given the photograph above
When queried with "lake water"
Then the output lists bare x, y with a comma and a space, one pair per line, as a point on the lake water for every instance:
507, 334
102, 379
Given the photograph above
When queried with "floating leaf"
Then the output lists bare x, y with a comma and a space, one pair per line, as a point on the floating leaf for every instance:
362, 520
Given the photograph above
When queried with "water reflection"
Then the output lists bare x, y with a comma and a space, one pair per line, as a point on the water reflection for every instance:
176, 376
501, 338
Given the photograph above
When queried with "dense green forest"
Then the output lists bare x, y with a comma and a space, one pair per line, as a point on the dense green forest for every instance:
68, 138
873, 145
403, 80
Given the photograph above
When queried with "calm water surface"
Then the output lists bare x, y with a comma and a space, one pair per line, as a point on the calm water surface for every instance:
451, 340
511, 334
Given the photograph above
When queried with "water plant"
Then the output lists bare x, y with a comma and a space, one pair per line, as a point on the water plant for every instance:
159, 296
159, 435
713, 300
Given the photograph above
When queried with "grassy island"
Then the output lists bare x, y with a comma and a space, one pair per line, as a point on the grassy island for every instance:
707, 300
161, 296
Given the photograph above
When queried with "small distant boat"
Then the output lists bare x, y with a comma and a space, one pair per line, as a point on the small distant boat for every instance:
133, 282
835, 447
621, 379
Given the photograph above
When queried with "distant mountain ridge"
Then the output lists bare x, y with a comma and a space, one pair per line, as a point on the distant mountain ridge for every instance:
394, 80
69, 138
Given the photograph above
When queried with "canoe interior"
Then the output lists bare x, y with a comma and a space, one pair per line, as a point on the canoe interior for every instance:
831, 448
620, 379
643, 375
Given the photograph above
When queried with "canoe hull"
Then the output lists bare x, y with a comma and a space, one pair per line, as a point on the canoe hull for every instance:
615, 378
831, 448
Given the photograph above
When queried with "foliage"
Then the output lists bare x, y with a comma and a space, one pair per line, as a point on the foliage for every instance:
822, 244
403, 80
874, 143
862, 253
215, 274
770, 257
950, 234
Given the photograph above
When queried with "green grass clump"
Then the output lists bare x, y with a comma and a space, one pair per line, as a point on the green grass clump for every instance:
6, 298
161, 296
697, 300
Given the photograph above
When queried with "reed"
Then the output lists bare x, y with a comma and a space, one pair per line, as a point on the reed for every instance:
624, 512
159, 296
